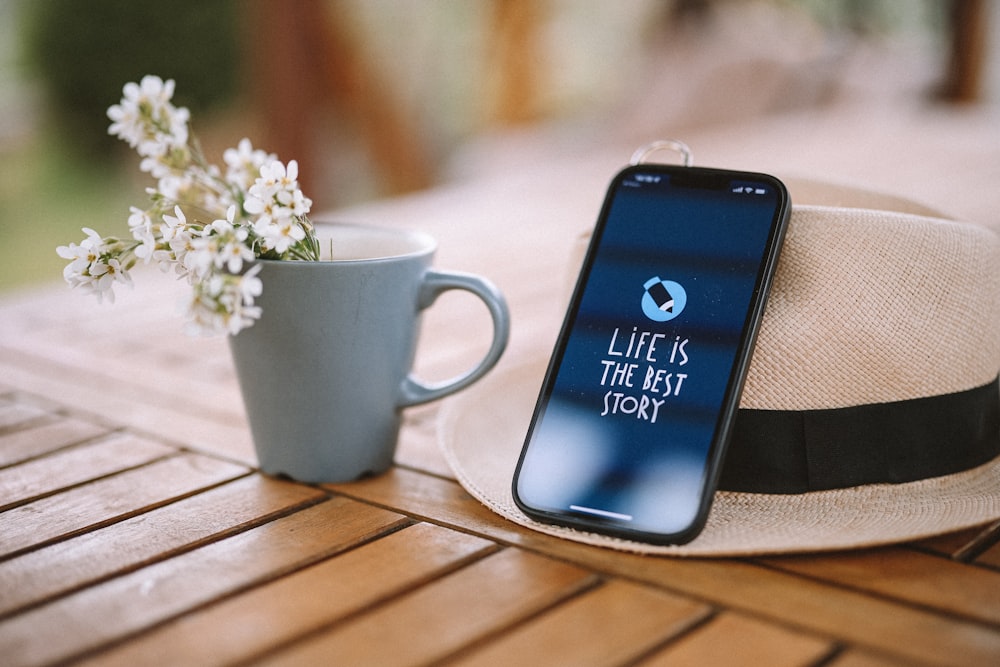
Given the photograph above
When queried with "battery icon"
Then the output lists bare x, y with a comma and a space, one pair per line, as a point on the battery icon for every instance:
759, 191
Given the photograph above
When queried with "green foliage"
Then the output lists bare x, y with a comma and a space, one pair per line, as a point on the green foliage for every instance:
84, 52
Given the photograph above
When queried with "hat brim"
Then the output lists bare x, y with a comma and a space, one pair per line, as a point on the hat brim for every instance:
482, 430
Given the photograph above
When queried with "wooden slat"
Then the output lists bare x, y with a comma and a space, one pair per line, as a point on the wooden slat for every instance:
731, 640
823, 608
445, 616
13, 414
156, 535
221, 433
991, 556
855, 658
979, 550
250, 624
855, 617
110, 499
40, 439
614, 624
951, 544
903, 574
186, 368
68, 467
122, 606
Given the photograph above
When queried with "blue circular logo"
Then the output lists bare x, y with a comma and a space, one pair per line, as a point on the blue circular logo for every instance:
663, 300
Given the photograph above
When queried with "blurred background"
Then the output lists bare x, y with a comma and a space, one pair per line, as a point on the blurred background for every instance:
380, 98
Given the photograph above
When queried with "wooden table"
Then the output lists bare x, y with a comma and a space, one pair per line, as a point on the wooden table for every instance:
135, 529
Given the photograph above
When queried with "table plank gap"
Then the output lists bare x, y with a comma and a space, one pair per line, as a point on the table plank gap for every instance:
46, 437
785, 598
730, 639
181, 393
173, 359
213, 432
98, 616
313, 599
15, 416
905, 575
445, 616
76, 465
990, 557
984, 543
851, 657
32, 402
109, 500
614, 623
141, 540
966, 546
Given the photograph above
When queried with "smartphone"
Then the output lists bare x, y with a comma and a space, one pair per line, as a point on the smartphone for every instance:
633, 418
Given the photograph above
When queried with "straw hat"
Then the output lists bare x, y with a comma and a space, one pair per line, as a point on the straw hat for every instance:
871, 411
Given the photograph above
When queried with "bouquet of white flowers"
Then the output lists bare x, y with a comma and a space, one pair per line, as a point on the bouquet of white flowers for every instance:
201, 222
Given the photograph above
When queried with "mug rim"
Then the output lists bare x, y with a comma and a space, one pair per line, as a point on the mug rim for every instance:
422, 243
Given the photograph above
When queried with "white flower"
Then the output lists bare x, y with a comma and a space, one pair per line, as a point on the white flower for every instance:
250, 286
200, 258
243, 164
281, 235
147, 120
181, 250
234, 253
275, 194
141, 226
103, 277
233, 250
95, 266
174, 225
185, 254
224, 303
226, 225
175, 187
221, 244
83, 256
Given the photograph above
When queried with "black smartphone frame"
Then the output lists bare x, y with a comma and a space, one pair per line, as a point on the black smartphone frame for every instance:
696, 177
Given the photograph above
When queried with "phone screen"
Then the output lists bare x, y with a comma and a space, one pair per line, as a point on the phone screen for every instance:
631, 424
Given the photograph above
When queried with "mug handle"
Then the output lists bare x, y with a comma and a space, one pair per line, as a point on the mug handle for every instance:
415, 392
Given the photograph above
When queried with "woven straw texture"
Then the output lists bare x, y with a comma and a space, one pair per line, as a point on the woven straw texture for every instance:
871, 306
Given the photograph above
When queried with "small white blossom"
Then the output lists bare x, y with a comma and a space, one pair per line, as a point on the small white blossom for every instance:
200, 258
174, 225
103, 277
275, 195
232, 247
280, 235
243, 164
224, 303
250, 286
141, 225
222, 244
147, 120
185, 253
83, 256
95, 266
177, 187
178, 236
